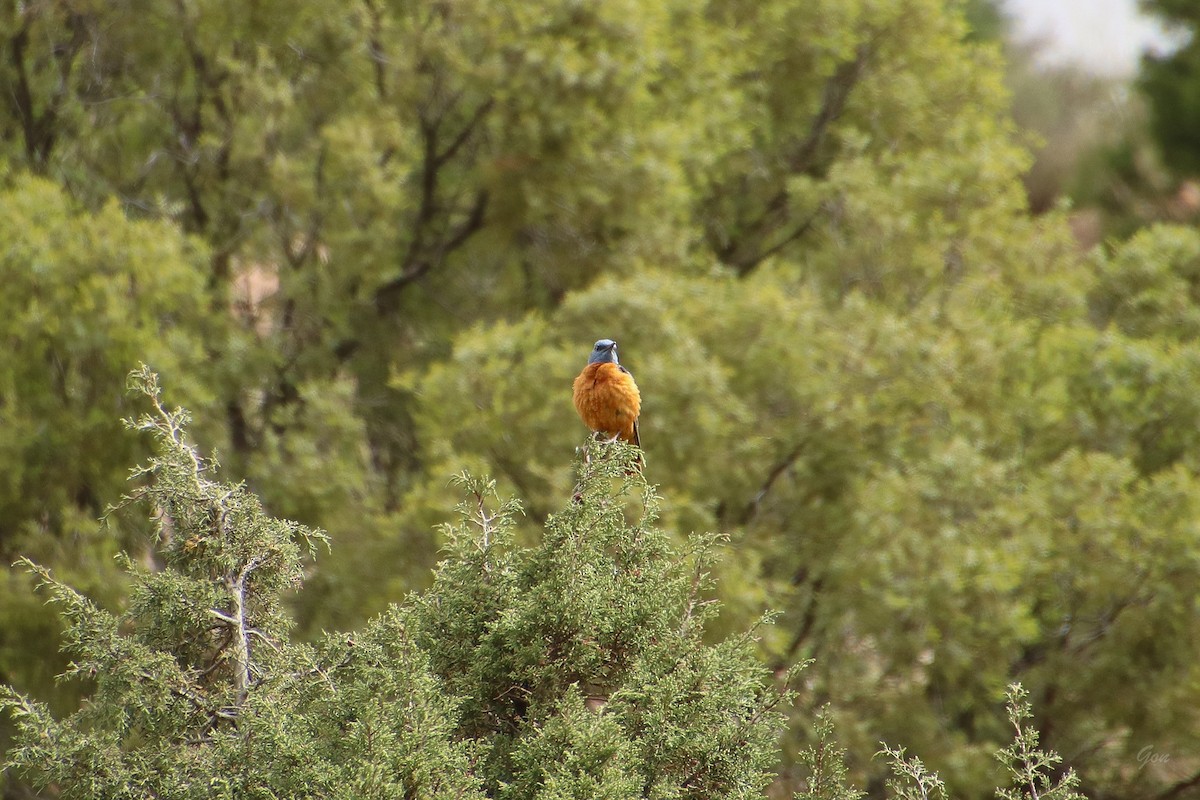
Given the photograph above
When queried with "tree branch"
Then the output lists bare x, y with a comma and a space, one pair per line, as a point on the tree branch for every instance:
387, 295
465, 133
241, 640
750, 250
807, 622
833, 103
22, 96
751, 508
422, 255
39, 131
375, 49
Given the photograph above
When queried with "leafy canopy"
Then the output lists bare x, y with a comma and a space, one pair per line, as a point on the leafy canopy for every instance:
573, 668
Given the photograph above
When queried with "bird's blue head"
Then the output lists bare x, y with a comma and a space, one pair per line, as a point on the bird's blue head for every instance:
605, 351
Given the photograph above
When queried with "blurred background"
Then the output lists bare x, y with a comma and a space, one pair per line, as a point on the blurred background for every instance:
1087, 78
911, 289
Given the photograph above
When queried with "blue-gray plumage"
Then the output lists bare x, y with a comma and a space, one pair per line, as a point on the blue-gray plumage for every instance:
605, 352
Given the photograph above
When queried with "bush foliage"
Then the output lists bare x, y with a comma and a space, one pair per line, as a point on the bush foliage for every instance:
573, 668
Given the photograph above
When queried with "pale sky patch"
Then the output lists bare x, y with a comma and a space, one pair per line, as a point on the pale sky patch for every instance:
1104, 36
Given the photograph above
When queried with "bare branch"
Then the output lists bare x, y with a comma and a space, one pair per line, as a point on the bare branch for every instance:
242, 630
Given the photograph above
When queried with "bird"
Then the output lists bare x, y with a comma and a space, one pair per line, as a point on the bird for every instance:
606, 396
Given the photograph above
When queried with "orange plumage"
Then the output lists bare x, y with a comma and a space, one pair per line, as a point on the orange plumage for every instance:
608, 400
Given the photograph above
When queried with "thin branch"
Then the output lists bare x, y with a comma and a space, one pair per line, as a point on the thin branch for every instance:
192, 697
807, 622
469, 226
217, 660
750, 250
833, 103
485, 522
387, 294
324, 673
40, 131
422, 255
751, 508
375, 48
241, 642
170, 424
221, 615
746, 264
693, 598
465, 133
23, 97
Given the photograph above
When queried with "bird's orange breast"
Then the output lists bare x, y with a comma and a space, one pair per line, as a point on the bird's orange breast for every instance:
608, 400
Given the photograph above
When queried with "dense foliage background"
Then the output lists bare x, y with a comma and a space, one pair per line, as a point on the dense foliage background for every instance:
369, 245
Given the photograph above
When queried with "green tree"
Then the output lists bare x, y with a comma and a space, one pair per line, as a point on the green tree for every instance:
986, 19
86, 294
572, 668
1171, 85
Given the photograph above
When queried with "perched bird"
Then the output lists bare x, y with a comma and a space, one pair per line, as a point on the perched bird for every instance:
606, 397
